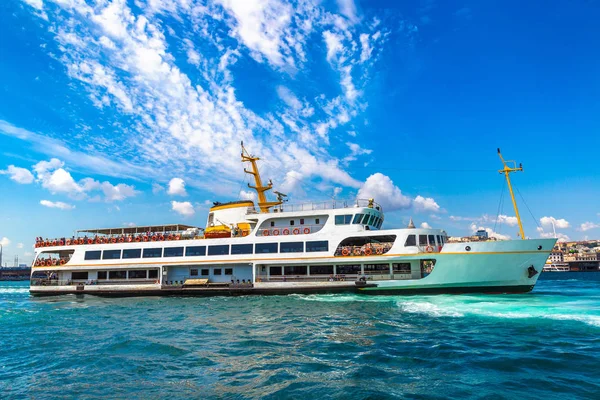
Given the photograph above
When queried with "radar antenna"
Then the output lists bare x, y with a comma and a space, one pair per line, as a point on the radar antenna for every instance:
506, 171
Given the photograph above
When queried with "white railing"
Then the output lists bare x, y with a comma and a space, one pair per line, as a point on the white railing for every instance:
327, 205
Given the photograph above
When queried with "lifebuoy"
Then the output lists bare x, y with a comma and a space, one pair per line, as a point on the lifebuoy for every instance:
62, 262
137, 239
161, 238
54, 262
177, 237
114, 240
266, 232
275, 232
54, 243
68, 242
154, 238
121, 240
379, 250
296, 231
48, 262
170, 237
62, 242
345, 252
80, 241
145, 238
357, 251
90, 241
429, 249
129, 239
368, 251
286, 231
306, 231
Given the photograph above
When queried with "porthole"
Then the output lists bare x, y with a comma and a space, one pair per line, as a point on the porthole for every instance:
468, 248
539, 247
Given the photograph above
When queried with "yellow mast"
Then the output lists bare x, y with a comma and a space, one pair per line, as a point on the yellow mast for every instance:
507, 170
263, 204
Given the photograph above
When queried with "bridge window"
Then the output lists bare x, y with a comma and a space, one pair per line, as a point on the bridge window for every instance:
266, 248
195, 251
411, 240
152, 253
117, 275
422, 240
111, 254
291, 247
79, 276
132, 253
219, 250
439, 240
92, 255
322, 269
321, 245
343, 219
102, 275
431, 240
173, 251
241, 249
357, 219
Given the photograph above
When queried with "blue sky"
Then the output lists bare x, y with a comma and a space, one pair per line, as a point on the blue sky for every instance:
131, 112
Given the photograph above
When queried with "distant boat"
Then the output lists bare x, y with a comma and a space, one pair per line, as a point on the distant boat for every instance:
275, 248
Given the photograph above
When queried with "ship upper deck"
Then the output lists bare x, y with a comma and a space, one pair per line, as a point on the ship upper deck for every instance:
132, 230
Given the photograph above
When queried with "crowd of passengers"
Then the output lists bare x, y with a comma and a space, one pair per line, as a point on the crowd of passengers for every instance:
143, 237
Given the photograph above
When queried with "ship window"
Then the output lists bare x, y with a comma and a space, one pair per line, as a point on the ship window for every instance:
411, 240
377, 269
431, 240
152, 253
371, 220
357, 219
173, 251
401, 268
301, 221
137, 274
295, 270
111, 254
266, 248
102, 275
317, 221
152, 274
292, 247
195, 251
228, 271
92, 255
422, 240
194, 272
439, 240
275, 271
321, 269
272, 223
291, 222
117, 275
321, 245
376, 222
204, 272
241, 248
343, 219
218, 250
80, 276
211, 219
132, 253
348, 269
217, 271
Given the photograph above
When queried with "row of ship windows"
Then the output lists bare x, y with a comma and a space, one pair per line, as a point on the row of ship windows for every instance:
217, 250
424, 240
359, 219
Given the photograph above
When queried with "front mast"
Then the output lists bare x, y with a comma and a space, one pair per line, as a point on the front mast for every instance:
263, 204
507, 170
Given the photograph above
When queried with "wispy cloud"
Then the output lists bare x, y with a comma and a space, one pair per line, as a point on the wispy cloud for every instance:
57, 204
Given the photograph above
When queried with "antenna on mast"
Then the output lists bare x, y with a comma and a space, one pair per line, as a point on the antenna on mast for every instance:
263, 204
506, 171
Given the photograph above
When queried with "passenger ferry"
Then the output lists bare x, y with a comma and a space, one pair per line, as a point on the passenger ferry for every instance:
275, 248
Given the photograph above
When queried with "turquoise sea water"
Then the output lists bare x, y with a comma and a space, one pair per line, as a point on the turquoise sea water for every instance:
543, 345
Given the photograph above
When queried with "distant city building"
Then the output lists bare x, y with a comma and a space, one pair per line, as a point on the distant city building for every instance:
482, 234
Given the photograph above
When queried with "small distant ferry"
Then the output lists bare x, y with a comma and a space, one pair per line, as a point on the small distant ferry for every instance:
275, 248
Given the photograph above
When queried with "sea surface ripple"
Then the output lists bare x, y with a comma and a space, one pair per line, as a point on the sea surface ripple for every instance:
542, 345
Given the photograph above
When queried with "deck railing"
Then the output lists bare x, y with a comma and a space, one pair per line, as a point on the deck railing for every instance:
327, 205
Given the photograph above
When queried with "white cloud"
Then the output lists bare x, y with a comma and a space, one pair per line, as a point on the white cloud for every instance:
57, 204
355, 151
425, 225
381, 188
586, 226
507, 220
490, 232
348, 9
183, 208
425, 204
548, 235
18, 174
156, 188
558, 223
20, 245
247, 195
458, 218
5, 241
366, 51
177, 187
